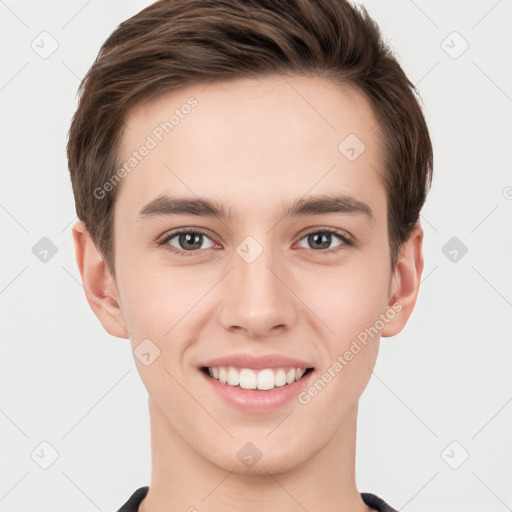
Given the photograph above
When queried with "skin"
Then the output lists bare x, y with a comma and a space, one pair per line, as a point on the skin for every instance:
250, 144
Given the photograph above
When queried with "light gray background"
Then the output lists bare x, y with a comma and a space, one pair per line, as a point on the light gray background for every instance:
447, 377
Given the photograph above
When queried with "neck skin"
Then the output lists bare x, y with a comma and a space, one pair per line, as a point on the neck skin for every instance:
182, 480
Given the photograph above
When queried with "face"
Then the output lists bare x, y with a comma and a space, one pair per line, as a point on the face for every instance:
263, 281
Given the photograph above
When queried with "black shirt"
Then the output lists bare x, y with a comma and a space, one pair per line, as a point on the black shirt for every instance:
132, 505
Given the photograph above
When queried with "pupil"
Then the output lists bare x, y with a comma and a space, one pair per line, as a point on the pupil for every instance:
188, 237
325, 245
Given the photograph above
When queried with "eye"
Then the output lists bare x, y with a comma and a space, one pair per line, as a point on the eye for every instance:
188, 242
323, 239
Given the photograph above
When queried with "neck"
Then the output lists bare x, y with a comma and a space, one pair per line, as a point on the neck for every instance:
183, 480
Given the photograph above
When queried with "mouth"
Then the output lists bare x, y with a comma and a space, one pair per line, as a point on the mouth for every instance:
256, 383
262, 380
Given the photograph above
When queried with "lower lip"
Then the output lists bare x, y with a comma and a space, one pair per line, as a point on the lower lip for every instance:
257, 400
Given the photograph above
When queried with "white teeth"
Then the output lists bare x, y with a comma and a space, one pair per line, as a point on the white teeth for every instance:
263, 380
233, 377
266, 379
248, 379
223, 375
280, 378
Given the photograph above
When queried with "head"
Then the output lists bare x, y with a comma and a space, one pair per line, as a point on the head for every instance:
256, 106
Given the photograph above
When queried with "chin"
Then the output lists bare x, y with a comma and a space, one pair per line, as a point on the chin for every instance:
259, 458
263, 467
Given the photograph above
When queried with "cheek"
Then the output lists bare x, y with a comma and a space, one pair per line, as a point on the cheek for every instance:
352, 300
157, 300
350, 342
160, 309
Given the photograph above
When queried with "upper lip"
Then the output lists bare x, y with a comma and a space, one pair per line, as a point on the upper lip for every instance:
256, 362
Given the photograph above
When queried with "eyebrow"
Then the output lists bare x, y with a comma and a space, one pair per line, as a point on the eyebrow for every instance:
203, 207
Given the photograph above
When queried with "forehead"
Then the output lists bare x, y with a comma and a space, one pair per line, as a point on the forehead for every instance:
251, 141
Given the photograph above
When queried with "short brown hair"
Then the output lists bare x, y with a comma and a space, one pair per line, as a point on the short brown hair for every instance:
172, 44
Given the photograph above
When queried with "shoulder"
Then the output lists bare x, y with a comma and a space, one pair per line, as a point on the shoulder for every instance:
377, 503
132, 505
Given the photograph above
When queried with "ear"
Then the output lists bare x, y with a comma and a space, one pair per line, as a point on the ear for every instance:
100, 287
405, 282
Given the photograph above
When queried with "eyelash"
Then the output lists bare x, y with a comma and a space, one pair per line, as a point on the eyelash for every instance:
347, 241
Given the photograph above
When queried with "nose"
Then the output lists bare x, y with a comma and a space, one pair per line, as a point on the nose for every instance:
258, 301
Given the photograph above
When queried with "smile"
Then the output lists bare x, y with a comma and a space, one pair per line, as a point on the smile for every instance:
253, 390
263, 380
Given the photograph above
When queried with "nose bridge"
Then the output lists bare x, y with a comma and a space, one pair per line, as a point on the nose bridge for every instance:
258, 285
259, 300
255, 276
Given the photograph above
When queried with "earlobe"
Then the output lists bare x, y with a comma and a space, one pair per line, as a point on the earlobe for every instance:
405, 282
99, 286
